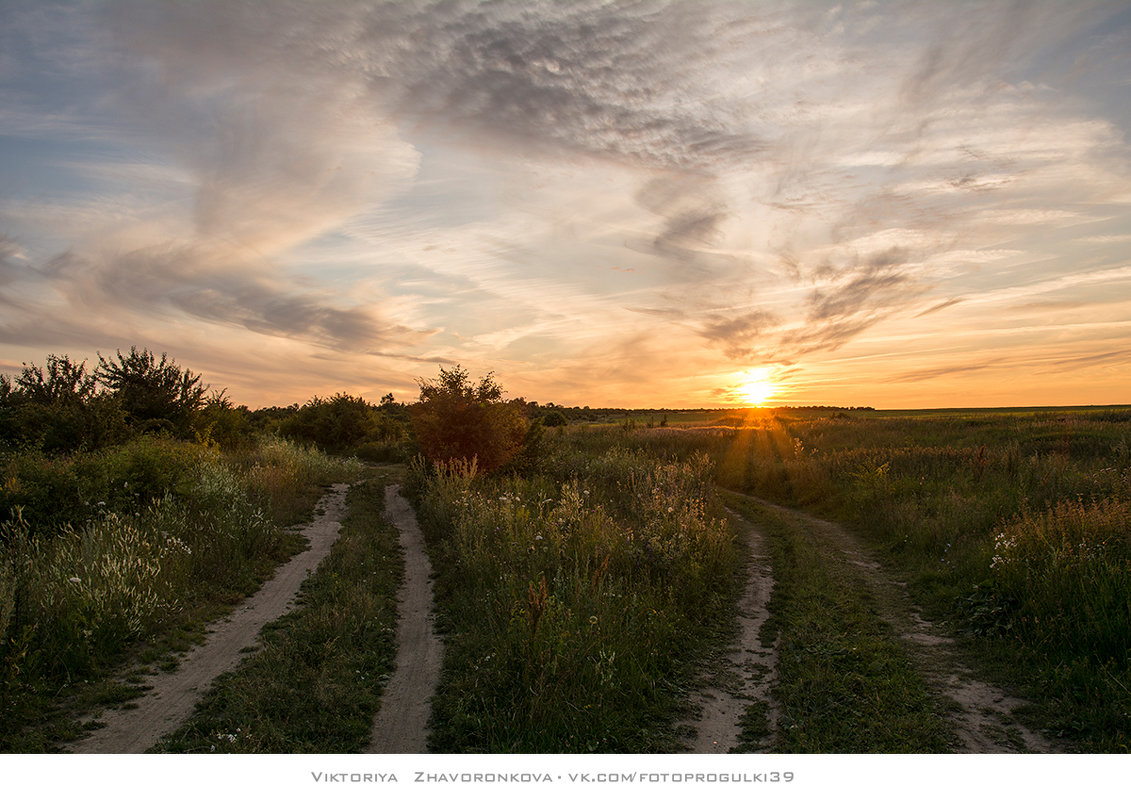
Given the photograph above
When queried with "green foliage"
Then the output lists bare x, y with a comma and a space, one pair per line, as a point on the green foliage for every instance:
573, 612
52, 492
950, 499
457, 420
221, 422
554, 419
176, 531
844, 680
57, 409
154, 394
333, 424
313, 684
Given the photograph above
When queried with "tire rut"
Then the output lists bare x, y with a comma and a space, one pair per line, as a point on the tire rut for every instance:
983, 715
747, 674
401, 724
172, 696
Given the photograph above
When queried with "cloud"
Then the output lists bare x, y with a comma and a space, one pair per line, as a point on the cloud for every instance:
424, 179
740, 336
216, 286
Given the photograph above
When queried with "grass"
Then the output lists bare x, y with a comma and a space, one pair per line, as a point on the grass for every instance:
82, 601
1011, 527
845, 684
574, 603
314, 683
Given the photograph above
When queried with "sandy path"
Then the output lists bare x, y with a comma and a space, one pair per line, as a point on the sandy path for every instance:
983, 715
173, 695
401, 725
750, 665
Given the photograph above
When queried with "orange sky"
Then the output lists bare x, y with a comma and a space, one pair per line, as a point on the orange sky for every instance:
636, 205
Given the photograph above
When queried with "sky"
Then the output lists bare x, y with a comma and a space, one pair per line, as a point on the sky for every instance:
633, 204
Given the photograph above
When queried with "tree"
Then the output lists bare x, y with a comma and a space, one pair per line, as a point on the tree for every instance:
554, 419
57, 408
63, 381
152, 393
334, 424
455, 419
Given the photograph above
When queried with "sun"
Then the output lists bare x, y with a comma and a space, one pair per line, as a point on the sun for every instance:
756, 388
757, 392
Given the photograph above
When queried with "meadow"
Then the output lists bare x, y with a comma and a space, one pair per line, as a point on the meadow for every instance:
1013, 527
121, 556
587, 571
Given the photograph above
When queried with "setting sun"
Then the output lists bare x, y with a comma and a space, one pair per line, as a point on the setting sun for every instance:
757, 389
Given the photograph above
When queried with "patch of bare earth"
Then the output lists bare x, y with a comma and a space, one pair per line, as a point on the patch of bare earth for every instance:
172, 696
401, 725
983, 715
749, 666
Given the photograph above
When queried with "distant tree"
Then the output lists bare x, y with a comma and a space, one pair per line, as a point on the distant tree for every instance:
222, 422
456, 419
57, 409
554, 419
334, 424
152, 393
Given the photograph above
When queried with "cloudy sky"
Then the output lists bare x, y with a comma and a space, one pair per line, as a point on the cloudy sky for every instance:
897, 204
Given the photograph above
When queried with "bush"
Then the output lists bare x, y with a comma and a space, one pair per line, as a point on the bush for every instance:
341, 423
56, 409
155, 395
458, 421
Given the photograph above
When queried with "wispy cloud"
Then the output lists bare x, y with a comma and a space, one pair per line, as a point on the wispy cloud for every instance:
548, 183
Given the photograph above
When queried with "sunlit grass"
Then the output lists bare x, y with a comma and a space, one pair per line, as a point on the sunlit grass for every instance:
573, 603
79, 598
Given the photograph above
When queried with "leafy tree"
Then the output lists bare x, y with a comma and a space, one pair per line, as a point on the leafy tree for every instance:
554, 419
456, 419
334, 424
57, 408
63, 381
222, 422
153, 394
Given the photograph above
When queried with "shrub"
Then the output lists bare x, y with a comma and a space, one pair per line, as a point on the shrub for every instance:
456, 420
154, 394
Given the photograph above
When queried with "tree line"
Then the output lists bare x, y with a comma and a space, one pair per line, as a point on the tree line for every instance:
65, 407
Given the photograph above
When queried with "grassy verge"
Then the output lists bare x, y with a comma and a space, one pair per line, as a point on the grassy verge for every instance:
137, 578
575, 603
1012, 528
845, 683
314, 683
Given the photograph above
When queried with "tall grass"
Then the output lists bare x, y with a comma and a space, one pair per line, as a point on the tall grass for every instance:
573, 601
76, 597
313, 684
1012, 526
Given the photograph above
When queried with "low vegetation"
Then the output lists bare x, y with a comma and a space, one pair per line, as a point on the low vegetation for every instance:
573, 598
315, 680
584, 565
1011, 527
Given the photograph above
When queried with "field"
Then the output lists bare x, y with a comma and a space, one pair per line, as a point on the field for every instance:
586, 593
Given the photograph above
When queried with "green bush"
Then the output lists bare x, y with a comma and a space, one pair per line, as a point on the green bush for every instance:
458, 421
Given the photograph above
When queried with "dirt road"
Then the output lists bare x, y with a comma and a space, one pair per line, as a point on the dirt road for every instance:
982, 715
401, 725
746, 676
173, 695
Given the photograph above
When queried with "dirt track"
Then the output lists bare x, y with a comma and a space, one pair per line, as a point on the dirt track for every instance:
173, 695
983, 715
401, 725
750, 665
